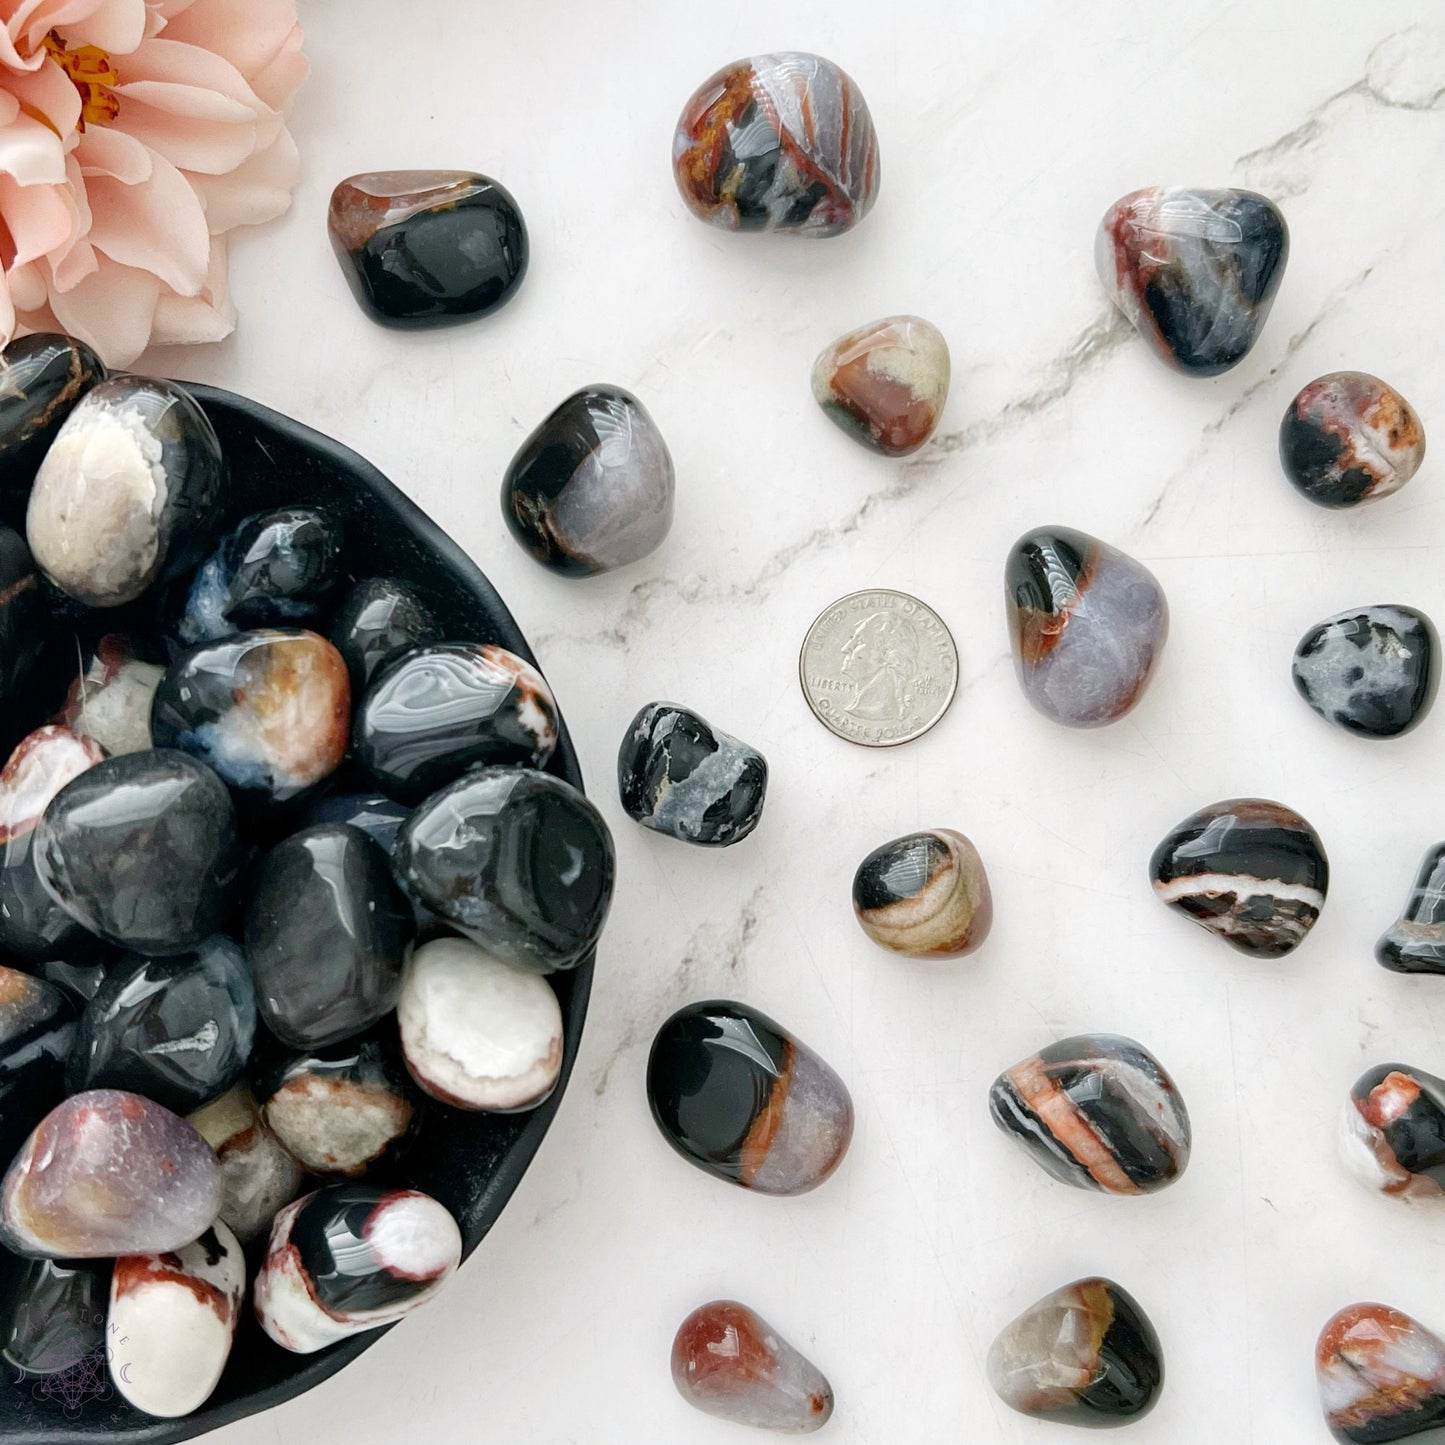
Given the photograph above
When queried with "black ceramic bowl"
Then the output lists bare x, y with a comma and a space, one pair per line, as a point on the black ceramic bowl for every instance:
470, 1162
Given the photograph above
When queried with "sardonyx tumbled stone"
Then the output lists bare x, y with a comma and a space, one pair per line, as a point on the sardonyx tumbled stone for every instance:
925, 894
735, 1094
1415, 942
1392, 1134
730, 1362
885, 383
1381, 1377
1098, 1112
427, 248
1087, 624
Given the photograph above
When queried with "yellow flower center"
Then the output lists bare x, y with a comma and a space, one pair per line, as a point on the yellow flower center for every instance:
92, 73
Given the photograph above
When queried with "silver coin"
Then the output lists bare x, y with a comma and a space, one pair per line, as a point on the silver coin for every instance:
878, 668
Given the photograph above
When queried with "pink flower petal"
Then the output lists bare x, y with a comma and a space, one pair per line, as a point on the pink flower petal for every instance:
277, 82
117, 26
31, 152
39, 218
72, 263
48, 94
7, 312
192, 144
27, 286
249, 33
257, 190
111, 310
107, 151
190, 319
157, 227
192, 70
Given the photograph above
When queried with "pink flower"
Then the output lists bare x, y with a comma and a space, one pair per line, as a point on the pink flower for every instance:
134, 135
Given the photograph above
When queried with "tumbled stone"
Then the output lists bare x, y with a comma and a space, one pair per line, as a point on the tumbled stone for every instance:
37, 1030
177, 1029
476, 1032
171, 1322
592, 488
1252, 871
26, 624
519, 861
925, 894
32, 923
42, 377
735, 1094
327, 933
1087, 624
427, 248
1349, 438
885, 383
77, 978
258, 1176
349, 1258
378, 621
1085, 1355
108, 837
269, 710
1374, 671
129, 493
1415, 942
110, 700
730, 1362
109, 1173
271, 569
1381, 1377
1195, 271
677, 774
440, 711
778, 143
52, 1312
343, 1109
1097, 1111
1392, 1133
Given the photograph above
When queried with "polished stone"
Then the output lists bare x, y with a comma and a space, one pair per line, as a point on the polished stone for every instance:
427, 248
1415, 942
519, 861
1392, 1132
1097, 1111
1373, 671
37, 1031
129, 493
379, 619
347, 1108
678, 775
735, 1094
177, 1029
730, 1362
1195, 271
1349, 438
32, 924
42, 377
1087, 624
108, 1173
925, 895
110, 699
592, 488
1086, 1354
376, 815
440, 711
1381, 1377
349, 1258
1249, 870
778, 143
272, 569
258, 1176
476, 1032
885, 383
26, 625
269, 710
171, 1322
52, 1312
108, 836
327, 933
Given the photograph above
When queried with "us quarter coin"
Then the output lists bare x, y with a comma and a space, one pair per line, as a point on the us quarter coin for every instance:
878, 668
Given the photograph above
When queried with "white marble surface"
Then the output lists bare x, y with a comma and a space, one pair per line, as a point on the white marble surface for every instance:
1005, 131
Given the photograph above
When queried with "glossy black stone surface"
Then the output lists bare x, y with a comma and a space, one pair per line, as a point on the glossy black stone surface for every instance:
327, 933
41, 379
25, 627
1415, 942
1374, 671
79, 977
428, 248
37, 1029
1250, 870
442, 710
274, 568
739, 1097
330, 1232
379, 619
378, 816
1394, 1131
678, 775
176, 1029
52, 1311
107, 837
517, 860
